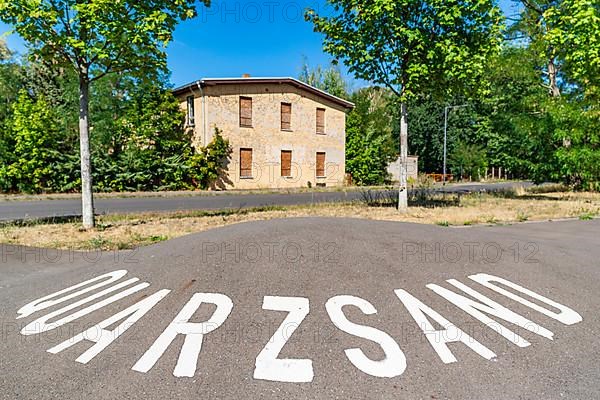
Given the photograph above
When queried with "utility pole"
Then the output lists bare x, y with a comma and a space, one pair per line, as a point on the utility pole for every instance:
403, 189
446, 109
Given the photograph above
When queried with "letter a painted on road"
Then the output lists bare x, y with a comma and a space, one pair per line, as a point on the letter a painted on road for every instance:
438, 339
102, 337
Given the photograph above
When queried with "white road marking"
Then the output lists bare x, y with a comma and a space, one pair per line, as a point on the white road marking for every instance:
102, 337
268, 367
45, 302
438, 339
194, 333
567, 315
489, 306
394, 362
41, 324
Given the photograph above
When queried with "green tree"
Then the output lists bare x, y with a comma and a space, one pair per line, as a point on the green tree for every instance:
413, 46
209, 165
95, 39
565, 35
468, 161
329, 79
426, 116
369, 142
10, 83
564, 38
532, 28
37, 147
573, 28
152, 150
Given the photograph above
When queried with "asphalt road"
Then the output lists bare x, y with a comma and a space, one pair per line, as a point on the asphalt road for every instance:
47, 209
314, 261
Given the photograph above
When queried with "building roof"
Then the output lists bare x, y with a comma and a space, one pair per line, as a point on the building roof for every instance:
240, 81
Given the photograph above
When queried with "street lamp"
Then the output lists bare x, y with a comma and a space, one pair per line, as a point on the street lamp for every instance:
446, 109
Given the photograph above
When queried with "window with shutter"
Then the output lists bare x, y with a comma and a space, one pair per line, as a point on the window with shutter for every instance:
321, 164
245, 163
190, 111
246, 111
321, 121
286, 163
286, 116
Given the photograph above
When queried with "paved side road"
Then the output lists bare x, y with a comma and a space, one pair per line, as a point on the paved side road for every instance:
23, 210
309, 309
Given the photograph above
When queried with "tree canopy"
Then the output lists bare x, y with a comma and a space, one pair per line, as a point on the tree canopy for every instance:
99, 37
411, 46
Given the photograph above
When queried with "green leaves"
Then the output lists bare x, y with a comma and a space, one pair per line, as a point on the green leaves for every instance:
36, 147
412, 46
369, 143
328, 79
102, 36
138, 141
147, 149
468, 161
574, 31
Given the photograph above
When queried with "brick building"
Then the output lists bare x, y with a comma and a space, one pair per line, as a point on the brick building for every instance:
284, 133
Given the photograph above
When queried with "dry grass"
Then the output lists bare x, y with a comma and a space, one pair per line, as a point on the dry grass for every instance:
120, 232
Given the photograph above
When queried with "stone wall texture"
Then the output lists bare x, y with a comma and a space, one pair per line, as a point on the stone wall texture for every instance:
218, 107
412, 169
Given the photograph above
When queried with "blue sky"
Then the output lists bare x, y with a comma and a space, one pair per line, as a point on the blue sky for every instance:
259, 37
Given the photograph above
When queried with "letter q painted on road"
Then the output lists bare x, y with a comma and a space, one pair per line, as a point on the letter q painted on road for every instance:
194, 334
51, 300
394, 362
566, 315
42, 325
268, 367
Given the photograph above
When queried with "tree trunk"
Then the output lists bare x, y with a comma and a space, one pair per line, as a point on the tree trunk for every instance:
552, 77
403, 190
87, 200
555, 90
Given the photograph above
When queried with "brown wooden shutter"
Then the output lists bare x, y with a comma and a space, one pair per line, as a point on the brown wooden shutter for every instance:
286, 163
286, 116
320, 164
245, 162
321, 121
245, 111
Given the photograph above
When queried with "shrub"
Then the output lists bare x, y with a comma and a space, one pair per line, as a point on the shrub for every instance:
37, 148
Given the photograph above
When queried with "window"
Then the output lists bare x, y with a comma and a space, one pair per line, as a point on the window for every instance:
321, 121
286, 163
321, 164
245, 163
190, 111
286, 116
246, 111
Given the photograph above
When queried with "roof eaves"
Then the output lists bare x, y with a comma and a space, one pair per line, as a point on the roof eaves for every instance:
214, 81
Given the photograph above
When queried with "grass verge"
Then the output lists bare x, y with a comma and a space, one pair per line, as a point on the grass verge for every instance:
130, 231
